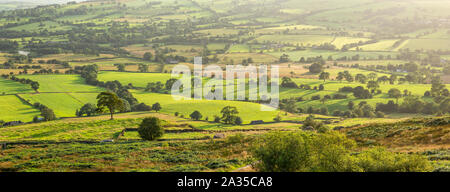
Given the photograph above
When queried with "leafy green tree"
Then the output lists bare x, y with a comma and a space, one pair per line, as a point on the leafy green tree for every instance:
196, 115
87, 109
340, 76
35, 85
324, 76
411, 104
361, 93
436, 87
284, 58
151, 129
126, 106
148, 56
143, 68
156, 107
238, 121
110, 101
372, 76
316, 68
288, 83
48, 114
395, 93
169, 83
373, 85
121, 67
217, 119
229, 114
154, 87
361, 78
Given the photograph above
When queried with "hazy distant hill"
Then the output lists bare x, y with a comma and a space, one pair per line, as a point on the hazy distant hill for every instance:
23, 4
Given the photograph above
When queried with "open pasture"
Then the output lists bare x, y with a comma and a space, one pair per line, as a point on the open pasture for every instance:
238, 57
427, 44
14, 109
383, 45
40, 26
12, 87
296, 55
61, 83
137, 79
339, 42
63, 104
305, 40
247, 111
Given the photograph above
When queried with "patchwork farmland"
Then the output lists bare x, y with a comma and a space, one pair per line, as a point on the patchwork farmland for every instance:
87, 86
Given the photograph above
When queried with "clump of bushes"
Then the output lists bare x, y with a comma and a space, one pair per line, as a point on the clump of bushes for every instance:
329, 152
311, 124
46, 113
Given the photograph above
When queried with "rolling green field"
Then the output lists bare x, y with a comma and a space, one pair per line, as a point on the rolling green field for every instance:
137, 79
239, 48
61, 83
306, 40
12, 87
50, 26
384, 45
63, 104
13, 109
296, 55
430, 44
247, 111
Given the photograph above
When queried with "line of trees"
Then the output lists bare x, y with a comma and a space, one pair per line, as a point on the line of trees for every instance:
34, 84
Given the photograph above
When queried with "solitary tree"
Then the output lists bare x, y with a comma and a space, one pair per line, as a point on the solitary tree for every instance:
196, 115
148, 56
156, 107
315, 68
110, 101
229, 114
324, 76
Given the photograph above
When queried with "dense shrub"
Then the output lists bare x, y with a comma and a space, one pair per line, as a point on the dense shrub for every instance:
315, 97
328, 152
346, 89
380, 160
339, 96
141, 107
196, 115
310, 123
150, 129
